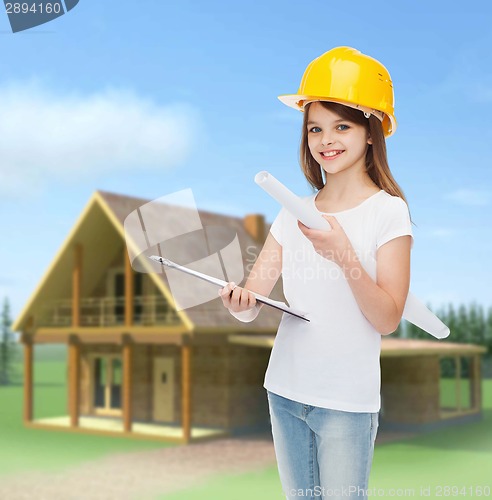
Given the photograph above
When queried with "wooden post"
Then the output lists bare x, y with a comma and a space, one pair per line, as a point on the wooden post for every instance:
129, 289
76, 284
186, 391
127, 383
476, 383
73, 380
458, 382
28, 367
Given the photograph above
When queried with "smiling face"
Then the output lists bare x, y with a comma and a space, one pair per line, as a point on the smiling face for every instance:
327, 131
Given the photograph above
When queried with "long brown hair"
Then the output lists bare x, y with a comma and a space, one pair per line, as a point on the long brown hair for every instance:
376, 158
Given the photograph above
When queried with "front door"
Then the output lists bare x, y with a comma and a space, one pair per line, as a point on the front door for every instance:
107, 384
163, 389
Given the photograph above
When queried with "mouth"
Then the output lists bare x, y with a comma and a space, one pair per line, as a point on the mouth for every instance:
332, 155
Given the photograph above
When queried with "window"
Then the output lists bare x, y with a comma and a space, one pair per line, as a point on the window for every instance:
458, 385
108, 376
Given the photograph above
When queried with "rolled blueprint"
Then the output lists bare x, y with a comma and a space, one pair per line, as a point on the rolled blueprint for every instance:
415, 311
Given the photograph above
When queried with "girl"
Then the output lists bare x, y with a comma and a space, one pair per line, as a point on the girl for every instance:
323, 376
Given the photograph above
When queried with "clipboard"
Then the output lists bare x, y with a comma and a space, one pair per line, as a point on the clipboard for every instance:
216, 281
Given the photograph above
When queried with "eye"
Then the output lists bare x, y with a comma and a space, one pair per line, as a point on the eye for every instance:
341, 125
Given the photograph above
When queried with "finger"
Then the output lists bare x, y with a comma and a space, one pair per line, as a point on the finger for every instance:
247, 300
224, 297
251, 299
232, 286
225, 292
236, 295
331, 220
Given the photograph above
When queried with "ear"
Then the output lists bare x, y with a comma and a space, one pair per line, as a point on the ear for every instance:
369, 140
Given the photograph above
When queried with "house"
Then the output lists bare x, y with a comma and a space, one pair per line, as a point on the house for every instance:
140, 367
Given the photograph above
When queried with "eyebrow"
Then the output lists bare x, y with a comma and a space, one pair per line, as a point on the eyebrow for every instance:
310, 122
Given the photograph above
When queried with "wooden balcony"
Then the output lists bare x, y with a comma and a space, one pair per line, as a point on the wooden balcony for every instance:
107, 311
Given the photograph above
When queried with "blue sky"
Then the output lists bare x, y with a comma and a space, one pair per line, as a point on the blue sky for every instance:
147, 98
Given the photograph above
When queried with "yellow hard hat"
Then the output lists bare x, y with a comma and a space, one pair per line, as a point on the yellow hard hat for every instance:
347, 76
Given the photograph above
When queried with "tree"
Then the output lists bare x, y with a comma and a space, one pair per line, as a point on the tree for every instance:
469, 325
7, 347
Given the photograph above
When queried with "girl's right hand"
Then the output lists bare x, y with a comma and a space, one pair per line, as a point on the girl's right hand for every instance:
237, 299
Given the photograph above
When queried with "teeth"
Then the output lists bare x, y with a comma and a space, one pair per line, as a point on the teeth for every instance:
333, 153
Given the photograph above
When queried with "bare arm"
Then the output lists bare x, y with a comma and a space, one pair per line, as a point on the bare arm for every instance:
382, 302
262, 278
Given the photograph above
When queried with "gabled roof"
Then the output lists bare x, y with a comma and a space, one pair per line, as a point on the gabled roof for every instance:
115, 208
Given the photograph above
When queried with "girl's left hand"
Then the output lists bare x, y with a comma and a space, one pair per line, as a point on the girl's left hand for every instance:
333, 245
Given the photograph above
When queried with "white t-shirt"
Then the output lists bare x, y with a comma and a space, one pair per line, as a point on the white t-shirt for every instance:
333, 360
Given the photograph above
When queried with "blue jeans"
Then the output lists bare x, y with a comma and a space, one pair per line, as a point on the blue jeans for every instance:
321, 453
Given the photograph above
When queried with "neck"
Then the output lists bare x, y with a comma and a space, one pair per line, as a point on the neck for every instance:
347, 185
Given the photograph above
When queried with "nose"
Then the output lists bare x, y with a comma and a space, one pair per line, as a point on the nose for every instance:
325, 139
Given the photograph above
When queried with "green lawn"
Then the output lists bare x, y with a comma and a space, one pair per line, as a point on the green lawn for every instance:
38, 449
455, 462
461, 456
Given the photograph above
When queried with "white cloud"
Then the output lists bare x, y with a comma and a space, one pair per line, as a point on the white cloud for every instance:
47, 136
470, 197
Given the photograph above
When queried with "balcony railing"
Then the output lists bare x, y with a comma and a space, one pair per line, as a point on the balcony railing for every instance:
108, 311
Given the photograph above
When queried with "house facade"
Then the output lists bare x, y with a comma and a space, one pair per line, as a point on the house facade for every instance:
138, 366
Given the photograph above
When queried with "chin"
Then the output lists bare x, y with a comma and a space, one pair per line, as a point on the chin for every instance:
334, 170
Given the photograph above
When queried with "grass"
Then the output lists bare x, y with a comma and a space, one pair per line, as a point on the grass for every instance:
24, 449
460, 456
453, 462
